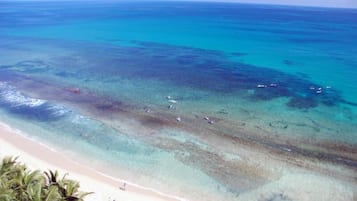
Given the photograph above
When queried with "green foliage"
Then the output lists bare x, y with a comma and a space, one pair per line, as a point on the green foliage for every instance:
18, 183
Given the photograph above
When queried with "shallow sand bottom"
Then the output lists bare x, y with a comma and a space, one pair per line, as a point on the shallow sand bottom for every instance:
290, 184
301, 187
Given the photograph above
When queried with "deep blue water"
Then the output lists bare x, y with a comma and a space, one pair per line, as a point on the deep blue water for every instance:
285, 75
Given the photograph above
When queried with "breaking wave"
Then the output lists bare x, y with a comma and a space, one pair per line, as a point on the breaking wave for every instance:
18, 103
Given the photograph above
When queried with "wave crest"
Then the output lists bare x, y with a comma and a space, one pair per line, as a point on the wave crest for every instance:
21, 104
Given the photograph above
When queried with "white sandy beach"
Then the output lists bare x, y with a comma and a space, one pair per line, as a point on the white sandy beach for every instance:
38, 156
298, 185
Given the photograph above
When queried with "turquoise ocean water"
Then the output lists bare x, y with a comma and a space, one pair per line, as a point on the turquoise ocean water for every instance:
156, 92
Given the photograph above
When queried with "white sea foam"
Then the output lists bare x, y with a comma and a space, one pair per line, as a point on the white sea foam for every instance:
79, 119
9, 95
14, 98
59, 110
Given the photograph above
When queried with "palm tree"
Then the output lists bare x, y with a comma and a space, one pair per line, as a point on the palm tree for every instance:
68, 189
7, 164
32, 184
52, 194
17, 183
8, 170
72, 192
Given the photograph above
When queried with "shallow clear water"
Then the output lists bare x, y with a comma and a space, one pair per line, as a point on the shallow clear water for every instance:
95, 78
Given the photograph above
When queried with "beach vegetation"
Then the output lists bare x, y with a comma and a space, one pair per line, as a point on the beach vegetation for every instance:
19, 183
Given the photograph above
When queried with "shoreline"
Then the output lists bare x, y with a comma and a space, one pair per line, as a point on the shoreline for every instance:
37, 155
293, 183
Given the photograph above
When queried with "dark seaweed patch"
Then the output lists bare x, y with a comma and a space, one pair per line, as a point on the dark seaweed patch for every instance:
238, 54
350, 103
186, 59
5, 66
63, 74
31, 66
194, 68
288, 62
276, 197
279, 124
303, 75
312, 40
212, 71
104, 107
265, 94
153, 122
302, 102
320, 155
